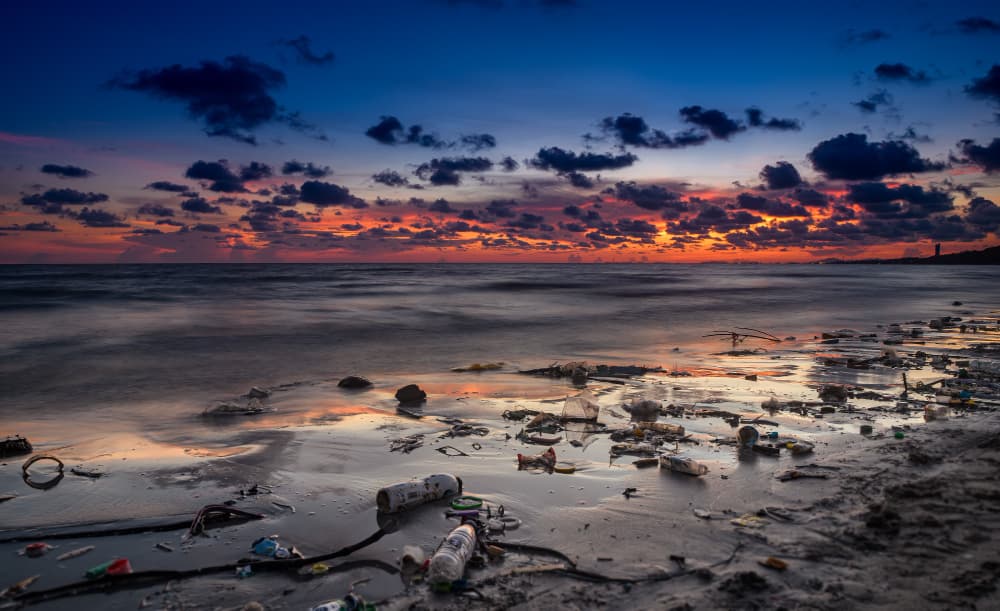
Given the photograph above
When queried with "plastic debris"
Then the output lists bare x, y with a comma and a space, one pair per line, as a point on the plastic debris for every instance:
448, 562
749, 520
545, 460
74, 553
46, 484
682, 464
643, 463
35, 550
19, 587
773, 563
564, 467
747, 436
265, 546
479, 367
242, 572
664, 428
121, 566
351, 602
643, 409
412, 558
315, 570
466, 502
407, 495
84, 472
581, 407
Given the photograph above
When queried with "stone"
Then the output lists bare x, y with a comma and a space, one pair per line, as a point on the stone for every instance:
354, 382
411, 393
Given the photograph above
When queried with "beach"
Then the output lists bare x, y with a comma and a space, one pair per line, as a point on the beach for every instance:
121, 371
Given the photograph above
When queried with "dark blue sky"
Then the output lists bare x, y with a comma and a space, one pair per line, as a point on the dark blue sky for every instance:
530, 74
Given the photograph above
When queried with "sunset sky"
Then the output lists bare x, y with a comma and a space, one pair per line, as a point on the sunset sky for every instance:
497, 130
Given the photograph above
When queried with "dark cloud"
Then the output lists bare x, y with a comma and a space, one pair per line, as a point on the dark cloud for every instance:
65, 171
771, 207
447, 170
199, 205
986, 157
580, 181
390, 178
631, 130
782, 175
975, 25
155, 210
649, 197
715, 121
165, 185
231, 98
509, 164
478, 142
852, 37
984, 214
903, 202
442, 206
563, 161
255, 171
717, 219
218, 173
528, 221
851, 157
59, 197
389, 130
502, 208
92, 217
636, 227
986, 87
323, 194
306, 169
910, 133
874, 101
900, 72
304, 52
206, 228
755, 117
810, 198
43, 226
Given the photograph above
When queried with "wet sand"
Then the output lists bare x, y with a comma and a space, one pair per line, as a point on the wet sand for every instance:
897, 523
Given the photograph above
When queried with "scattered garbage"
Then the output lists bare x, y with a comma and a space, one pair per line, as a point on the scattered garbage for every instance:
747, 436
35, 550
833, 393
411, 394
741, 334
413, 558
773, 563
407, 495
867, 429
118, 566
350, 602
44, 484
15, 446
662, 428
84, 472
796, 474
448, 562
406, 444
19, 587
74, 553
582, 407
564, 467
643, 409
243, 572
163, 547
466, 502
643, 463
258, 393
545, 460
682, 464
479, 367
354, 382
936, 412
451, 451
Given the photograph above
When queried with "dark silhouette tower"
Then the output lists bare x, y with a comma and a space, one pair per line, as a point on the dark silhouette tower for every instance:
937, 250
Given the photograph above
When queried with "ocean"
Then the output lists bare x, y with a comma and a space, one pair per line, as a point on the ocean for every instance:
99, 338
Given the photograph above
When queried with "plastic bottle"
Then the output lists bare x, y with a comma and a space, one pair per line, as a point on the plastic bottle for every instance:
448, 562
407, 495
683, 464
351, 602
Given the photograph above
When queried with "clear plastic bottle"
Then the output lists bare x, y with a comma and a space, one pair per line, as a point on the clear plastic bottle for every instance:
448, 562
683, 464
407, 495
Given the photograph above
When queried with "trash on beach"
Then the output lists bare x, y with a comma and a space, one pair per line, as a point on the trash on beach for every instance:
464, 429
741, 334
796, 474
14, 446
766, 449
581, 407
643, 463
833, 393
633, 449
539, 439
265, 546
773, 563
704, 514
258, 393
44, 484
936, 412
19, 586
350, 602
35, 550
407, 495
451, 451
412, 558
315, 569
662, 428
406, 444
448, 562
543, 420
465, 503
242, 572
683, 464
118, 566
7, 497
749, 520
354, 382
800, 447
564, 467
213, 513
163, 547
411, 394
252, 408
518, 414
74, 553
479, 367
747, 436
643, 409
545, 460
84, 472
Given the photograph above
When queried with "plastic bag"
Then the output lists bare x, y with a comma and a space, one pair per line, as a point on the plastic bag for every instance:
581, 407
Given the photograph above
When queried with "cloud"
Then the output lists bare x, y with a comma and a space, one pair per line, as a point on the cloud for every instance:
207, 228
51, 201
770, 207
986, 157
872, 102
306, 169
717, 219
92, 217
580, 181
715, 121
648, 197
563, 162
631, 130
900, 72
984, 214
255, 171
502, 208
43, 226
199, 205
303, 49
390, 131
755, 117
390, 178
323, 194
886, 202
478, 142
851, 157
852, 37
222, 178
165, 185
231, 98
986, 87
155, 210
509, 164
782, 175
976, 25
910, 133
65, 171
442, 206
447, 170
810, 197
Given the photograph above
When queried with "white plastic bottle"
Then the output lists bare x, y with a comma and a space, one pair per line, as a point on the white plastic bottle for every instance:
448, 562
407, 495
683, 464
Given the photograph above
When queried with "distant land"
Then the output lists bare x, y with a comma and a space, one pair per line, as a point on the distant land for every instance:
987, 256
